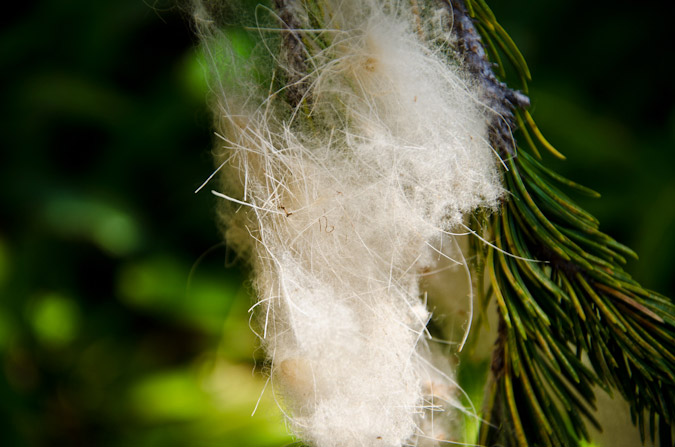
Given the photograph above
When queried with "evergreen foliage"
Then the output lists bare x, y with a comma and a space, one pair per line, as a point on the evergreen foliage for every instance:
564, 298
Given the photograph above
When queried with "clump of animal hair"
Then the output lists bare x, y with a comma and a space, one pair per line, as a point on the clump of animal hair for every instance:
340, 195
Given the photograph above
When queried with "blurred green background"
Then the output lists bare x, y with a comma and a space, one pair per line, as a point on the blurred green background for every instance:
123, 321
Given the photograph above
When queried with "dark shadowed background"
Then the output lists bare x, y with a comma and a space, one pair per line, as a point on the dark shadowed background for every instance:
122, 322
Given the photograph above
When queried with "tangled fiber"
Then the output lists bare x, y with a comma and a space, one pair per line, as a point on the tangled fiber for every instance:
346, 166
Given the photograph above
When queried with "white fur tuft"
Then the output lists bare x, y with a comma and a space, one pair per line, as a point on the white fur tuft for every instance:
341, 204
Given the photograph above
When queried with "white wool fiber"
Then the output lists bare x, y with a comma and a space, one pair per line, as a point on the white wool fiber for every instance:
340, 205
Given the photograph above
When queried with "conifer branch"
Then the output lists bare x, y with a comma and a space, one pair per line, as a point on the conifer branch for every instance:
575, 302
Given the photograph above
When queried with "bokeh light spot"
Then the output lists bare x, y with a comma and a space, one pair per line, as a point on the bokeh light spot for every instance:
55, 319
